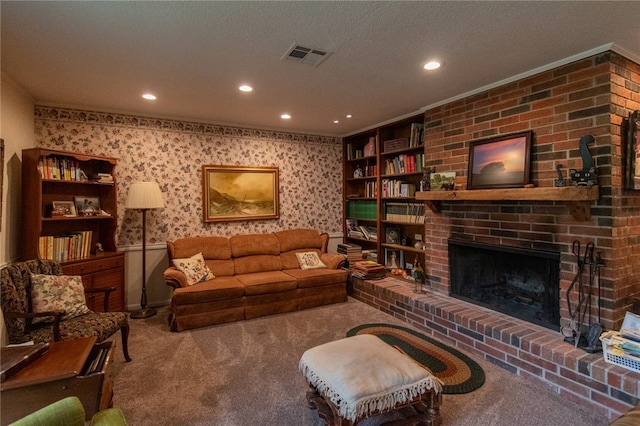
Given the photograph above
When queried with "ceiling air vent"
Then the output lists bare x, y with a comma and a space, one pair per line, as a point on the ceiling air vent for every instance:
305, 55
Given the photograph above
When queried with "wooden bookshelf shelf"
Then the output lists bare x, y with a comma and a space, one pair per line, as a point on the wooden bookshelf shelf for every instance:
577, 198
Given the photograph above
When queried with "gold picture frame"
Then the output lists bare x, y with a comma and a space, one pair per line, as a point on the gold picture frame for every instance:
231, 193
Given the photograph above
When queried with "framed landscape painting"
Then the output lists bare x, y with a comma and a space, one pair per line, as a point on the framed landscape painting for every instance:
501, 162
233, 193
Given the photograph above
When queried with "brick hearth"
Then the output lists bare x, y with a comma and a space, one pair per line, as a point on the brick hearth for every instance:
517, 346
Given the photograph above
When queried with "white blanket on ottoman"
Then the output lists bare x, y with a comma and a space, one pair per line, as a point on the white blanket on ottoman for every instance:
362, 375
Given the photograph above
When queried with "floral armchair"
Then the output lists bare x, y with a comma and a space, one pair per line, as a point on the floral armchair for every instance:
22, 323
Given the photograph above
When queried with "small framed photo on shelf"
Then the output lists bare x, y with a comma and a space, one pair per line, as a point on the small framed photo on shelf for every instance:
87, 206
444, 181
393, 236
63, 209
352, 227
393, 259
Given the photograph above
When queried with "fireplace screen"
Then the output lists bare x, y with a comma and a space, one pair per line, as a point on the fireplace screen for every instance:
523, 283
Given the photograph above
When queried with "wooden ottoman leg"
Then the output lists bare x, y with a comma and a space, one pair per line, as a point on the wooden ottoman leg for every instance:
326, 410
429, 408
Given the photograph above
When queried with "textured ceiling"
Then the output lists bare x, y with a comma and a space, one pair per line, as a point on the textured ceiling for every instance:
193, 55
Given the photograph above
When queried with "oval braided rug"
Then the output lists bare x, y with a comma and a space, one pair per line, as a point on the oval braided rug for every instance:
459, 373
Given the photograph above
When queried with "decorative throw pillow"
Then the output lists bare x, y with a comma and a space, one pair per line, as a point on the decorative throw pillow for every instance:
57, 293
310, 260
194, 268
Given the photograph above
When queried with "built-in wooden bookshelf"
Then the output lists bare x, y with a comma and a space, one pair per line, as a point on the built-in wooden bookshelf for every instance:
70, 234
383, 169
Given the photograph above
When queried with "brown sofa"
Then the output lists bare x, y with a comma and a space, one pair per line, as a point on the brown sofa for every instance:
255, 275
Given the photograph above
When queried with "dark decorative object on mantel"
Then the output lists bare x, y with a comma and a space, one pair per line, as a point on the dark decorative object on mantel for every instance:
560, 181
587, 176
425, 183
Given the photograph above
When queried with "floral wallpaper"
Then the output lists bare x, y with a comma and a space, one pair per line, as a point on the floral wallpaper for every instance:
173, 152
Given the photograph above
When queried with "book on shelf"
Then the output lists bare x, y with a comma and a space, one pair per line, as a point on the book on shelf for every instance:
417, 133
59, 168
394, 188
362, 209
404, 212
369, 232
75, 246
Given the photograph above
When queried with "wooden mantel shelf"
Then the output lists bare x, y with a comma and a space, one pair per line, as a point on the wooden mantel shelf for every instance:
578, 198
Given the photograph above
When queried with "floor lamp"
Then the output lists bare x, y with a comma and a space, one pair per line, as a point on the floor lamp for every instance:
144, 196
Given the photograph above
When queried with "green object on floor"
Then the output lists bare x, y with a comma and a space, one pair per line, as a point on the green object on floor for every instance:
70, 412
459, 373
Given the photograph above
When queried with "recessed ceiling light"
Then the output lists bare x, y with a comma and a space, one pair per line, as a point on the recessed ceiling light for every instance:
349, 115
433, 65
149, 97
285, 116
336, 121
245, 88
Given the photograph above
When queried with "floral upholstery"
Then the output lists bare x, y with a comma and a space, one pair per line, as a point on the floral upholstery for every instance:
99, 324
15, 291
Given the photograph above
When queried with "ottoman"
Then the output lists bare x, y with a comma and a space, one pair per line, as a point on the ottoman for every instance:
362, 376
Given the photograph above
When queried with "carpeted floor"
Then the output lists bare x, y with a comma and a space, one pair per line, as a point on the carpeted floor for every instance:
246, 374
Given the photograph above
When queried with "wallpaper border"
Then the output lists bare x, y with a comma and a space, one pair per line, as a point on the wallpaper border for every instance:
126, 120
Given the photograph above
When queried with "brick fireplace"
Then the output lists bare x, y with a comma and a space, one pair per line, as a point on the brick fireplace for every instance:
519, 282
590, 96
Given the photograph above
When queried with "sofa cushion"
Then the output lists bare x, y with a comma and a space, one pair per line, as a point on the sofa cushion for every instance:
221, 268
317, 277
254, 244
194, 268
296, 239
267, 282
255, 264
220, 288
309, 260
210, 247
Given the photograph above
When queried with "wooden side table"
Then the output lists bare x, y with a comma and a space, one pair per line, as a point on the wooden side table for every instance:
78, 367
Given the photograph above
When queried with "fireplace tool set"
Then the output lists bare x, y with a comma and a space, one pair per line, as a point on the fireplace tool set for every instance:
583, 332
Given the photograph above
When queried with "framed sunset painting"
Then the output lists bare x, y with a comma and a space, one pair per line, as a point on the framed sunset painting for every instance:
501, 162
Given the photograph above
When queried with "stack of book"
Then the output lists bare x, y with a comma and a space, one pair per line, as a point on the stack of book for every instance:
367, 270
353, 252
104, 178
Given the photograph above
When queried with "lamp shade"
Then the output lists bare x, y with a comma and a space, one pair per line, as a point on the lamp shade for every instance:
144, 195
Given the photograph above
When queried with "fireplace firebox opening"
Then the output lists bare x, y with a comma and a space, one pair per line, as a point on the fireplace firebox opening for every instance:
523, 283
